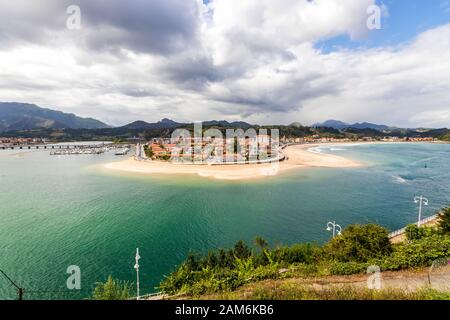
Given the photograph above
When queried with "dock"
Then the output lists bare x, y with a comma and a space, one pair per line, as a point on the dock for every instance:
73, 149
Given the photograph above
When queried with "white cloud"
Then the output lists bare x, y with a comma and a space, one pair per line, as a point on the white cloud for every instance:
231, 59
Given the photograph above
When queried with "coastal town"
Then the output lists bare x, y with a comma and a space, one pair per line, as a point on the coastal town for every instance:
156, 143
256, 149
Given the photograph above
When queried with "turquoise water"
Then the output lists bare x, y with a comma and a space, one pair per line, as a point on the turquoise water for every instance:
61, 211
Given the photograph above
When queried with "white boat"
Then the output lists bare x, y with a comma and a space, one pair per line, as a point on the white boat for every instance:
122, 152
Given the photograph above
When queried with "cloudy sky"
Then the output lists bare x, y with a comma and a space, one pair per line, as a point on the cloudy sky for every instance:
262, 61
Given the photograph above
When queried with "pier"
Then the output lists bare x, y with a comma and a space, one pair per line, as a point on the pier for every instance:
72, 149
52, 146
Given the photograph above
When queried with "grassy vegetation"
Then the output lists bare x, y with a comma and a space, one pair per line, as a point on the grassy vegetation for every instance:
112, 289
358, 247
444, 221
293, 291
219, 273
445, 137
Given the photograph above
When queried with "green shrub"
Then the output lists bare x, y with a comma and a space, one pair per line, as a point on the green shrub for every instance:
241, 250
359, 243
112, 289
298, 253
413, 232
417, 253
358, 247
444, 221
347, 268
305, 269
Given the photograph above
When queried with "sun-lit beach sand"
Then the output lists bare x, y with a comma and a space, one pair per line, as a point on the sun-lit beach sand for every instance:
297, 156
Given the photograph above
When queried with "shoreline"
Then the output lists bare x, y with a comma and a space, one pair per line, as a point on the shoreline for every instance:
297, 156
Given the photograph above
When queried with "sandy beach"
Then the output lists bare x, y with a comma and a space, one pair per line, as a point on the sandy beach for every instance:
298, 156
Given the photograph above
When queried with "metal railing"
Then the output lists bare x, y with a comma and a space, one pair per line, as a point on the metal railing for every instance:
422, 222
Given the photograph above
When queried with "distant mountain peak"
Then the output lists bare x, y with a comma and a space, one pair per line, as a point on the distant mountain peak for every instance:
26, 116
167, 121
142, 125
170, 124
296, 124
336, 124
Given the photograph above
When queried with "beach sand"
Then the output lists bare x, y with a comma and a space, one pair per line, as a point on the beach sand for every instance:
298, 156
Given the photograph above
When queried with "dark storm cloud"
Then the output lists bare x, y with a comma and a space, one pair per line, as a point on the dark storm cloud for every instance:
148, 26
192, 72
283, 97
154, 26
139, 92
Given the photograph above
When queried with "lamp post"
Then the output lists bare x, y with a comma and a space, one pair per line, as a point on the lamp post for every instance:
136, 266
422, 201
333, 226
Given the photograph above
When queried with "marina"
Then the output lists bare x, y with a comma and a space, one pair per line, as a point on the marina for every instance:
122, 152
76, 151
78, 148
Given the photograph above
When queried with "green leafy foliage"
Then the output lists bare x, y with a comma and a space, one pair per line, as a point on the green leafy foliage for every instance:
445, 137
297, 253
413, 232
112, 289
416, 253
444, 221
352, 252
360, 243
347, 268
148, 151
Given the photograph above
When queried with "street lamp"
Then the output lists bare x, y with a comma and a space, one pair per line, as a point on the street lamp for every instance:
333, 226
421, 200
136, 266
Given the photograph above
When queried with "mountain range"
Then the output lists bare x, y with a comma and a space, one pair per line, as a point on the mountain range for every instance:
23, 116
16, 116
339, 125
170, 124
31, 121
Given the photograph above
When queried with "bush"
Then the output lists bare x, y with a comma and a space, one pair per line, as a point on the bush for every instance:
444, 221
413, 232
417, 253
347, 268
112, 290
298, 253
360, 243
241, 250
358, 247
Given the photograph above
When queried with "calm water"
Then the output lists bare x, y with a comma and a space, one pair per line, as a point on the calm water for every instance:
61, 211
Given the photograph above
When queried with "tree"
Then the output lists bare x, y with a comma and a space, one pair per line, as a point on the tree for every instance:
192, 261
112, 289
261, 243
413, 232
360, 243
241, 250
444, 221
148, 151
